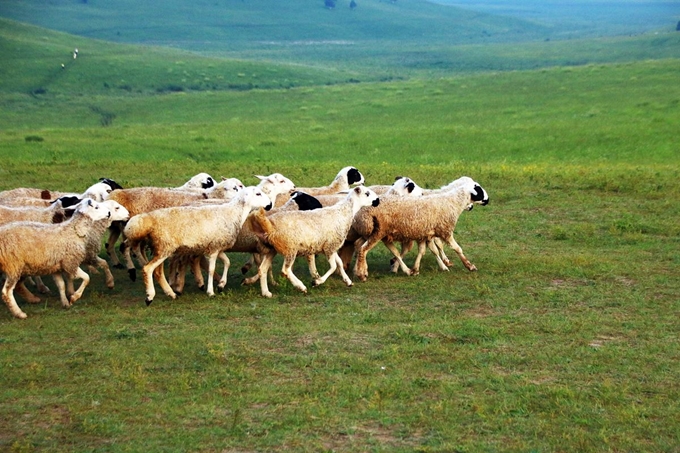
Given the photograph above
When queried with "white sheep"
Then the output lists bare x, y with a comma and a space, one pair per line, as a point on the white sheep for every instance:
345, 178
144, 199
94, 242
194, 230
293, 233
42, 198
56, 212
31, 248
273, 186
414, 219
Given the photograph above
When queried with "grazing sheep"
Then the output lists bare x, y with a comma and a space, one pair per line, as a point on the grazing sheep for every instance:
414, 219
194, 230
293, 233
31, 248
342, 182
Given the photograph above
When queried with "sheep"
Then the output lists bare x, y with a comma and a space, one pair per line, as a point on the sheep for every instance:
420, 219
293, 233
32, 248
94, 242
345, 178
273, 186
42, 198
199, 181
206, 230
56, 212
143, 199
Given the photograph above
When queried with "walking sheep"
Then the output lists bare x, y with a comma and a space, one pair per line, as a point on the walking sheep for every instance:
194, 230
414, 219
31, 248
305, 233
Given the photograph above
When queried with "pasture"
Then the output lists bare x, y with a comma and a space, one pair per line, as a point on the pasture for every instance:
566, 339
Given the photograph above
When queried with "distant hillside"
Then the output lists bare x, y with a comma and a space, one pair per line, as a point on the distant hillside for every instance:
40, 61
225, 25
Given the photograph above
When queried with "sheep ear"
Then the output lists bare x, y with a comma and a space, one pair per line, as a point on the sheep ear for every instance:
223, 178
397, 178
357, 190
260, 177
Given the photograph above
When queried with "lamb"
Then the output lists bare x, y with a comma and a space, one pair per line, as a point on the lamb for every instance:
31, 248
293, 233
205, 230
345, 178
414, 219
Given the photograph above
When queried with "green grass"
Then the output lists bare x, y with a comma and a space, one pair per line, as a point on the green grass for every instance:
564, 340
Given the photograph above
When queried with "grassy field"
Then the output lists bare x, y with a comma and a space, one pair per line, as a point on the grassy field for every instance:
566, 338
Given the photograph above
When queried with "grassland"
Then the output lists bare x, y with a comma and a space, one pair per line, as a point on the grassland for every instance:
564, 340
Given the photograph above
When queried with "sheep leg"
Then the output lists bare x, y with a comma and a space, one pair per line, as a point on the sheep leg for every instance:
177, 271
225, 261
262, 272
212, 260
311, 264
26, 294
126, 248
246, 267
287, 271
390, 246
103, 265
459, 251
42, 289
346, 253
70, 289
405, 248
333, 266
147, 273
86, 280
114, 234
159, 273
362, 248
437, 251
335, 258
440, 245
8, 297
61, 288
415, 270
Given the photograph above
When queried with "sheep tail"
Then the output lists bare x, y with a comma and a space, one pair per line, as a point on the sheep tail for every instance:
262, 226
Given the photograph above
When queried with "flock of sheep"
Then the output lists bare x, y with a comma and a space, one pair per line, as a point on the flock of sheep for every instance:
192, 226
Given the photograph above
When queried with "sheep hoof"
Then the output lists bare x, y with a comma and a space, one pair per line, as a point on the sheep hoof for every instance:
148, 301
133, 274
20, 315
267, 295
245, 268
220, 289
472, 268
119, 266
202, 287
178, 293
